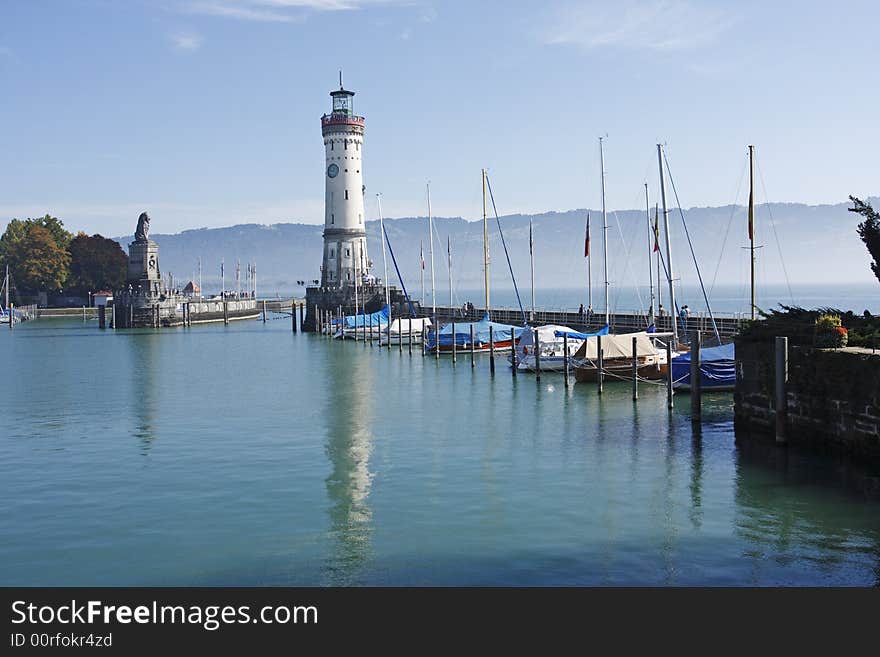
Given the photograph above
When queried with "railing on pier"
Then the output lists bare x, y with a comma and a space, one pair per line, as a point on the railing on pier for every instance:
620, 322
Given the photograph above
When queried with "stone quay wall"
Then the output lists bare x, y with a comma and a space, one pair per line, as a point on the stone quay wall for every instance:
832, 397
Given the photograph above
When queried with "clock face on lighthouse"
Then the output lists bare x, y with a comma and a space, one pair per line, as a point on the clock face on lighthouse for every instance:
332, 170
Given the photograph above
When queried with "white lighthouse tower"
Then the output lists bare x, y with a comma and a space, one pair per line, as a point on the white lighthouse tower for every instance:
345, 241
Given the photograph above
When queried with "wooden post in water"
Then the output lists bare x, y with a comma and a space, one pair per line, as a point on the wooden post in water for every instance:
537, 348
565, 356
635, 372
472, 344
388, 330
84, 313
454, 341
399, 335
513, 349
226, 312
264, 311
292, 316
410, 335
491, 350
600, 363
669, 401
102, 317
696, 388
781, 381
436, 328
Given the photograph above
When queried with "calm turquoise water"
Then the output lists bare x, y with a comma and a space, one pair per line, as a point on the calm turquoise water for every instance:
247, 455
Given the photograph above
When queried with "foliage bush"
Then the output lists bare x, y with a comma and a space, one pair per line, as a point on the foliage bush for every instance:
802, 327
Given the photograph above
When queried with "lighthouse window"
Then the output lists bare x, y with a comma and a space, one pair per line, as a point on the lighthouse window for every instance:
348, 275
347, 253
346, 144
357, 145
332, 253
332, 218
346, 194
331, 145
360, 219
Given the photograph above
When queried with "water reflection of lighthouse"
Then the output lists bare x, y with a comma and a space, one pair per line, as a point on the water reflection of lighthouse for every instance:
349, 444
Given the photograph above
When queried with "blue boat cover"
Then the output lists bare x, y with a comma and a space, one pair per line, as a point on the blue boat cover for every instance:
717, 367
380, 317
481, 333
581, 336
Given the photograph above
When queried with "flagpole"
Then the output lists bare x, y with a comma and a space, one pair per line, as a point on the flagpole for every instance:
650, 251
431, 249
604, 231
485, 243
668, 248
532, 260
752, 221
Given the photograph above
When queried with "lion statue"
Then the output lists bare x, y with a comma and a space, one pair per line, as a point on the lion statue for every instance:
143, 228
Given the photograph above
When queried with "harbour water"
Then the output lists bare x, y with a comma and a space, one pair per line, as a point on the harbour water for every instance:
248, 455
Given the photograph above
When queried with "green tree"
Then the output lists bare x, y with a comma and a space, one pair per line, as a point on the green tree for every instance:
869, 231
96, 263
36, 252
42, 264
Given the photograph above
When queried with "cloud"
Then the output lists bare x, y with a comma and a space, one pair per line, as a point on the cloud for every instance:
274, 11
664, 25
186, 41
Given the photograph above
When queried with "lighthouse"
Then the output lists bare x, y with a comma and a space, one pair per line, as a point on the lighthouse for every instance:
345, 242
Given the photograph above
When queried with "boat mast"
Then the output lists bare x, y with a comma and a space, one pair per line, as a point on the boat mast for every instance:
384, 258
6, 286
532, 262
604, 230
485, 244
422, 267
449, 268
650, 251
668, 248
752, 222
657, 243
431, 249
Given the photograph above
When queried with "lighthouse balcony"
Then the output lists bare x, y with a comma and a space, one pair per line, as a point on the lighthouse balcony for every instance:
343, 121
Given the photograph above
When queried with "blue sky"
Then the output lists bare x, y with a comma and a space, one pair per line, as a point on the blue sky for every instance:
206, 112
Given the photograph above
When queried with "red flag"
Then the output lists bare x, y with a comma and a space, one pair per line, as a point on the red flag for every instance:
656, 228
587, 238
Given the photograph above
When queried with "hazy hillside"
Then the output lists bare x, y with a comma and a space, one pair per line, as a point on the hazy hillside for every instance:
818, 244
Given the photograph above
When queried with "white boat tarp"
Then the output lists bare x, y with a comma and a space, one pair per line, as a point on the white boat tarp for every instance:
617, 346
419, 325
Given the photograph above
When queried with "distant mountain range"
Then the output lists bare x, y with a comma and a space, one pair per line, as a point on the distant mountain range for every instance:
817, 244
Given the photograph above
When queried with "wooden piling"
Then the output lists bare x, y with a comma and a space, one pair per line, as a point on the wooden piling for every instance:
472, 344
436, 328
454, 341
537, 348
226, 313
635, 357
264, 311
492, 350
513, 349
669, 402
388, 331
565, 357
410, 336
781, 381
102, 317
696, 388
600, 364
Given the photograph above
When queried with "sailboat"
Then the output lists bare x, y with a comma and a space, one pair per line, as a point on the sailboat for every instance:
6, 314
617, 353
458, 335
718, 364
